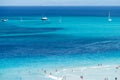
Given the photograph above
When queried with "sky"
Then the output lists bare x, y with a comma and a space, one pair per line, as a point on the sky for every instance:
59, 2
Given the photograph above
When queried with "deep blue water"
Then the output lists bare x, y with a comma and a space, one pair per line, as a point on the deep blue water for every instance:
59, 11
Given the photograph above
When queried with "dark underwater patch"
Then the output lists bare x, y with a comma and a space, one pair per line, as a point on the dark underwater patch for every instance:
27, 31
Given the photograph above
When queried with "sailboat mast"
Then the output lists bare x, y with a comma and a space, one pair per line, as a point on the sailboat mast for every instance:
109, 15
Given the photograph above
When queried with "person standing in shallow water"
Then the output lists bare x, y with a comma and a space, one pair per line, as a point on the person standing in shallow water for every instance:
106, 79
81, 77
45, 71
115, 78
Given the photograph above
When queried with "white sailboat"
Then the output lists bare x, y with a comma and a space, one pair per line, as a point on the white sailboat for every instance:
109, 17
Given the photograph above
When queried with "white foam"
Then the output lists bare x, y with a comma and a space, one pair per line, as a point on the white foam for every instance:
54, 77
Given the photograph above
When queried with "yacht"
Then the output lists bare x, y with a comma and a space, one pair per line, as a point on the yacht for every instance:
44, 18
109, 17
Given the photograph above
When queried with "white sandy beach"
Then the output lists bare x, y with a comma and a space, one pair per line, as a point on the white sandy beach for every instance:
79, 73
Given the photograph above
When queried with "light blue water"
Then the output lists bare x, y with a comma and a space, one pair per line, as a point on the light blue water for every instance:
76, 41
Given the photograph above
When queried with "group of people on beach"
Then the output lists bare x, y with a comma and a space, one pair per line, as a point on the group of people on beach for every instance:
81, 76
99, 64
108, 79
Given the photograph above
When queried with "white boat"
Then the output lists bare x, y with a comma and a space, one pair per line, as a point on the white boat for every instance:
44, 18
109, 17
4, 20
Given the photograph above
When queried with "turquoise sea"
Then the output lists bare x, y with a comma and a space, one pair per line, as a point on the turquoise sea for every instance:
75, 41
62, 41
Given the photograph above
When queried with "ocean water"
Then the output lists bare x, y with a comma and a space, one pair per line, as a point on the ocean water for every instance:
72, 36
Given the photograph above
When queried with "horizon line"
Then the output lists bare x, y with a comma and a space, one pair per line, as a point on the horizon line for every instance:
60, 6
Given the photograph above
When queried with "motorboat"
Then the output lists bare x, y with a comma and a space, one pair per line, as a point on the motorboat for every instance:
4, 20
44, 18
